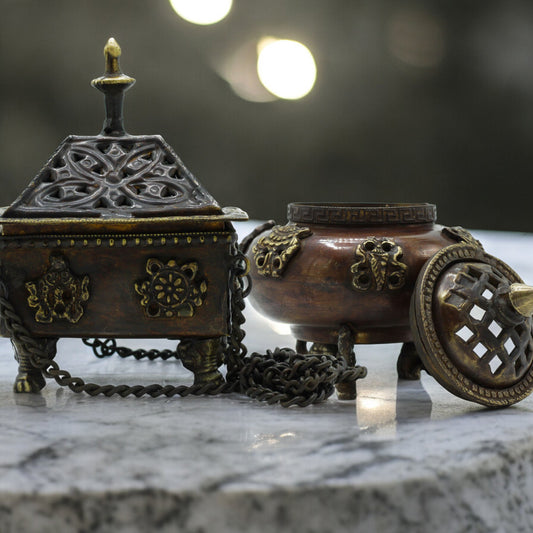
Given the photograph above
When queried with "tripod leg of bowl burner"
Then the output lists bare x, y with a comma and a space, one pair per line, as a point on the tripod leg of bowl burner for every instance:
409, 363
347, 390
203, 357
30, 378
318, 348
301, 346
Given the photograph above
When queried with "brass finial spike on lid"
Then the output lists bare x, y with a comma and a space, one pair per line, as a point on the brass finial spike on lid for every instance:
113, 84
521, 298
112, 52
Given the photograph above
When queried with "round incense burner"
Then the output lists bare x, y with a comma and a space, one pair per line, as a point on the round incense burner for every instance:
345, 264
345, 273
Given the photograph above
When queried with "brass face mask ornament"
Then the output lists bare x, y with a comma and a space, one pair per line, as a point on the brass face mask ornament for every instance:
115, 238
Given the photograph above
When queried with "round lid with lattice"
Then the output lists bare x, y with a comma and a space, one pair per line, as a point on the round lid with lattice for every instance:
471, 322
113, 174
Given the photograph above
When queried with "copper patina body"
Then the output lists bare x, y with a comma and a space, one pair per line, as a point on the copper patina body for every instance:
316, 292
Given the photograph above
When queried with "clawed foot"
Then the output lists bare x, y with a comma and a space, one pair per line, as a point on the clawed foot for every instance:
28, 382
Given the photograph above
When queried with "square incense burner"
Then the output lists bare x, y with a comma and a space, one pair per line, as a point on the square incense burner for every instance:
114, 237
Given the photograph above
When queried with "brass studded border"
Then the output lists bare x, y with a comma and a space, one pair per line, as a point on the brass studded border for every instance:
429, 347
118, 240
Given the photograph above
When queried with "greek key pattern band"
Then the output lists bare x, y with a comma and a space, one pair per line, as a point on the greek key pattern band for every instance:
362, 215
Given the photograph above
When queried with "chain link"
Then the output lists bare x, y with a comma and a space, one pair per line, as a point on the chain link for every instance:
108, 347
280, 376
289, 378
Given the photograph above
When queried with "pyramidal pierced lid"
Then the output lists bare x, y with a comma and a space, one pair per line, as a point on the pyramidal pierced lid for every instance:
113, 175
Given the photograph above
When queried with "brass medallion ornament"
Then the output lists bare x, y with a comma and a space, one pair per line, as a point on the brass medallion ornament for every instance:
378, 265
173, 290
59, 294
273, 252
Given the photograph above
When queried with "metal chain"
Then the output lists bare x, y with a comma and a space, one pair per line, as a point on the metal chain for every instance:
289, 378
281, 376
108, 347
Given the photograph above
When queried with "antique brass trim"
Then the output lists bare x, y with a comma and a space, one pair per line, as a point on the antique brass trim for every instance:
378, 265
119, 240
59, 293
460, 234
362, 214
173, 290
521, 298
429, 345
273, 252
203, 358
113, 74
228, 213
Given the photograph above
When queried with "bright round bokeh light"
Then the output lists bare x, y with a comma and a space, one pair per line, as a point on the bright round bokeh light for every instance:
201, 11
286, 68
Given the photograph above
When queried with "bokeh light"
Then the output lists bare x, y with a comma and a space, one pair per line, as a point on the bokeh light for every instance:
238, 67
202, 11
416, 38
286, 68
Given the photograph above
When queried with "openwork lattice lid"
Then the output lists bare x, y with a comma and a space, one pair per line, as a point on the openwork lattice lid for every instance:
471, 320
113, 175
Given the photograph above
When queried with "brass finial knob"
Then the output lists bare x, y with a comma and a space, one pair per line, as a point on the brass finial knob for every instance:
113, 84
521, 297
513, 303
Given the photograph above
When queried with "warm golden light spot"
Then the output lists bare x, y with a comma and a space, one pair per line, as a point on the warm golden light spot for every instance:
202, 12
286, 68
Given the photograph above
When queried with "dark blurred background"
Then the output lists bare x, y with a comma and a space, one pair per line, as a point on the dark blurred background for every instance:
413, 101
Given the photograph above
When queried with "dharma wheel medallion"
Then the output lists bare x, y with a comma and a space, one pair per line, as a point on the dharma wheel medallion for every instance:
172, 290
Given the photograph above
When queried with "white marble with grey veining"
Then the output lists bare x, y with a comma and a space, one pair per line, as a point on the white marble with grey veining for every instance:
402, 457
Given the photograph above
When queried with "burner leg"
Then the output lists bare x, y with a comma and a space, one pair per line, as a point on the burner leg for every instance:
203, 357
30, 378
346, 390
318, 348
301, 346
409, 364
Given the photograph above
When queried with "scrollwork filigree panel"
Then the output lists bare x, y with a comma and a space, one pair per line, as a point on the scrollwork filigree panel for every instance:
105, 176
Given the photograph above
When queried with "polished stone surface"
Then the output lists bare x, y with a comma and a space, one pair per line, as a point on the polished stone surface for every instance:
405, 456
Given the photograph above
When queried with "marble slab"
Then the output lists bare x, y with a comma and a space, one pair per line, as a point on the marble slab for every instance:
405, 456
